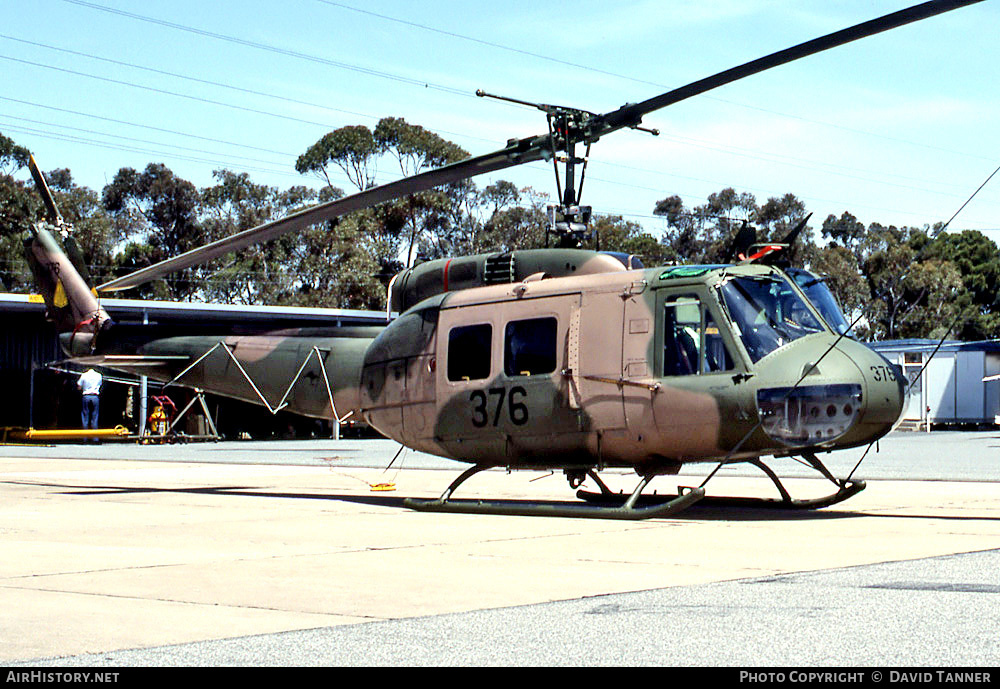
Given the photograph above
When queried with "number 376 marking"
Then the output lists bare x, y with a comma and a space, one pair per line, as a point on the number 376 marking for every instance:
517, 410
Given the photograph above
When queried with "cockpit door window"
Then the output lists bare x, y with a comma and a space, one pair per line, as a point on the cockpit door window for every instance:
767, 313
692, 343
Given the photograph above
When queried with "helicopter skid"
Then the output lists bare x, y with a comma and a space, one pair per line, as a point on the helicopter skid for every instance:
661, 508
623, 509
785, 503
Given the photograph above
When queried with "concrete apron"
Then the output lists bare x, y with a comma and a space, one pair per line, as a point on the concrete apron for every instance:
108, 555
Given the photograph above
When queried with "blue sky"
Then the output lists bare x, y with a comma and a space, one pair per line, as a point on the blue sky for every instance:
899, 128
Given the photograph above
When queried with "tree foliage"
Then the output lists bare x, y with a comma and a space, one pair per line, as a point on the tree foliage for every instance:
911, 285
352, 149
895, 282
12, 156
705, 234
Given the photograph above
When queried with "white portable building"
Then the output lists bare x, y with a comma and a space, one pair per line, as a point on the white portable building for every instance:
947, 386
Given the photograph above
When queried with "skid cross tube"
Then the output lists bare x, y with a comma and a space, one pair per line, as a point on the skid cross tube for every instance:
845, 489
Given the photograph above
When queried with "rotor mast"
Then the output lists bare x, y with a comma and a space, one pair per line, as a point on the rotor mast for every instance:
568, 127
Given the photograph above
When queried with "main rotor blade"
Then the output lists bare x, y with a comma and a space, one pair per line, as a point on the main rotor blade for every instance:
631, 114
517, 152
530, 149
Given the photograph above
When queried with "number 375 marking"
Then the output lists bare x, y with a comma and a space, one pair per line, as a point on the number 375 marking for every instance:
882, 373
517, 410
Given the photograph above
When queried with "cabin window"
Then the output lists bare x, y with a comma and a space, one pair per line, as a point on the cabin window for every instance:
692, 342
530, 347
470, 352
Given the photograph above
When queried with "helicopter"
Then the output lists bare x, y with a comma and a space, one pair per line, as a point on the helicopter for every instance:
556, 359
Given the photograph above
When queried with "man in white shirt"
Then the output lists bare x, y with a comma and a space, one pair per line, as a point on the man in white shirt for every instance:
90, 385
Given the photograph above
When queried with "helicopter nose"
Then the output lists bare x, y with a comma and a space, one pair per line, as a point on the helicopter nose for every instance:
844, 394
886, 391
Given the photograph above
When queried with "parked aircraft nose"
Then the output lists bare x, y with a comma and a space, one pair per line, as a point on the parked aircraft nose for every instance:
830, 393
886, 389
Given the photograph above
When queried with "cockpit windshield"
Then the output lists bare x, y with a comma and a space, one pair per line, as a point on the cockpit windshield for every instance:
767, 313
821, 297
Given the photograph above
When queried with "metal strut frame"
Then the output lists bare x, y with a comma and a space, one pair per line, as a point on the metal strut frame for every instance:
623, 510
199, 396
846, 488
283, 403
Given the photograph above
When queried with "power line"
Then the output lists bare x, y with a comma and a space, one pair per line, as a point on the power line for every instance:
274, 49
153, 89
215, 84
132, 149
182, 76
627, 77
214, 35
229, 86
142, 141
969, 200
80, 113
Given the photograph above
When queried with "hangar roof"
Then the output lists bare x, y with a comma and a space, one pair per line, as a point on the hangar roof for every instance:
138, 311
927, 345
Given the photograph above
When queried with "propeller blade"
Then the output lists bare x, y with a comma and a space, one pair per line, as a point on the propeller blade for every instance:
794, 233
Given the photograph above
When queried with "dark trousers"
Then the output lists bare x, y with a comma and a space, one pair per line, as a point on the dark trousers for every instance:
89, 411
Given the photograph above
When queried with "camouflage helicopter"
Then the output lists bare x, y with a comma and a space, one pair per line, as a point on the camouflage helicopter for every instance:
553, 359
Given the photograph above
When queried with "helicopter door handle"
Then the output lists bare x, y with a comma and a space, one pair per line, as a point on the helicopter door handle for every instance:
652, 387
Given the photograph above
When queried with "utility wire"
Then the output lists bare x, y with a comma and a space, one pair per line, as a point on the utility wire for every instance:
808, 164
274, 49
120, 82
216, 84
186, 77
325, 125
140, 125
129, 138
294, 53
945, 226
133, 149
951, 326
619, 75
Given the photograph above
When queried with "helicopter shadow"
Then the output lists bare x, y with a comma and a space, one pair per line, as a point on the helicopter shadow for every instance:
695, 513
222, 491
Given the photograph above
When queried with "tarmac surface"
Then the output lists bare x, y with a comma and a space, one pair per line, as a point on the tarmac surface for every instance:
282, 554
